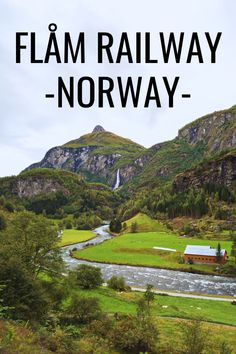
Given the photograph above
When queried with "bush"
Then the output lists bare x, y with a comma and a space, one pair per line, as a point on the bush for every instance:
229, 268
190, 230
9, 207
68, 225
2, 222
134, 336
87, 277
82, 310
115, 226
195, 337
117, 283
134, 227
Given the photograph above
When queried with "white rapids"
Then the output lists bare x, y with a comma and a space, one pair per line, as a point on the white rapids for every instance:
162, 279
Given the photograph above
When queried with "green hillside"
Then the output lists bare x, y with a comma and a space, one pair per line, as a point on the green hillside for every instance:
144, 224
106, 143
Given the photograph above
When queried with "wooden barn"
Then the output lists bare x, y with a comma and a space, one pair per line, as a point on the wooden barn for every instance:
203, 254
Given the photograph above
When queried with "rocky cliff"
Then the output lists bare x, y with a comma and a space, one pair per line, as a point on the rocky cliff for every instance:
220, 171
216, 130
203, 138
98, 155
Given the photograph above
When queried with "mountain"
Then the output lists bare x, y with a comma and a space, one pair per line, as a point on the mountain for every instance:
203, 138
98, 156
58, 193
219, 171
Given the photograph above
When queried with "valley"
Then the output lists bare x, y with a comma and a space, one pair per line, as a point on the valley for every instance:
103, 209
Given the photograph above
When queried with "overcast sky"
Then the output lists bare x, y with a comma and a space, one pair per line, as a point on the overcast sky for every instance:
31, 124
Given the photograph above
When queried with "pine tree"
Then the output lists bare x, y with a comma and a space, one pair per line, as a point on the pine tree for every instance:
218, 253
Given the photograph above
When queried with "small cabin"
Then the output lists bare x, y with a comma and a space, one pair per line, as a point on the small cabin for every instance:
203, 254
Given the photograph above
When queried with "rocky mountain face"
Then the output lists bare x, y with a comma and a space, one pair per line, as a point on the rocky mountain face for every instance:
98, 155
220, 171
31, 186
217, 131
205, 137
32, 183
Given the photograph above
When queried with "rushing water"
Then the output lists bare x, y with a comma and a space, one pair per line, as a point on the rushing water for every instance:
117, 184
162, 279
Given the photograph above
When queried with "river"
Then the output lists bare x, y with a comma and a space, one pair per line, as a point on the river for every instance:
161, 279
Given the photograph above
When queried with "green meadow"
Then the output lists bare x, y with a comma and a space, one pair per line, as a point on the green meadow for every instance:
74, 236
144, 224
165, 306
137, 249
170, 313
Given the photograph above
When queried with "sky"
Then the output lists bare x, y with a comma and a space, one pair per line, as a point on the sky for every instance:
32, 124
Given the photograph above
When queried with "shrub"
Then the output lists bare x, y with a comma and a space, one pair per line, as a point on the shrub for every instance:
229, 268
134, 336
9, 207
87, 277
117, 283
195, 337
2, 222
115, 226
134, 227
82, 310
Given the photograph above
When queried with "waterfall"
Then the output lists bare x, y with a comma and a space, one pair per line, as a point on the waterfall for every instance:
117, 179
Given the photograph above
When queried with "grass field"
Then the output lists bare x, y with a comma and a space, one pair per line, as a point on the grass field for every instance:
137, 249
74, 236
187, 308
170, 313
144, 224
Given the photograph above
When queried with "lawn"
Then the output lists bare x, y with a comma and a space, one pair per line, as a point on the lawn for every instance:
137, 249
221, 312
74, 236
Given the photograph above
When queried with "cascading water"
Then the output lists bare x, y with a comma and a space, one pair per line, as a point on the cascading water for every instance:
117, 179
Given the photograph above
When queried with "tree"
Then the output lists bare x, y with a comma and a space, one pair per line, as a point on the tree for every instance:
3, 309
82, 310
149, 294
9, 207
86, 276
22, 292
117, 283
124, 226
195, 338
2, 222
143, 310
115, 226
233, 249
27, 246
134, 227
225, 348
218, 253
32, 238
134, 336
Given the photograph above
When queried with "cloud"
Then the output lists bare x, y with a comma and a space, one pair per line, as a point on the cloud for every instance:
30, 124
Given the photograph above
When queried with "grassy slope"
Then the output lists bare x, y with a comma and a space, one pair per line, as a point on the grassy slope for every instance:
106, 143
144, 223
178, 311
167, 320
137, 249
177, 155
216, 334
74, 236
208, 310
